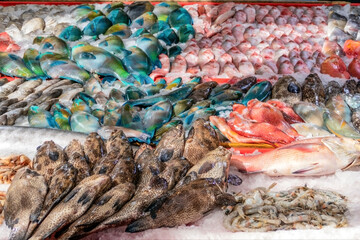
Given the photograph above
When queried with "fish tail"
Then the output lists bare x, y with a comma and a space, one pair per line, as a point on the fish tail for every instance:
139, 225
245, 164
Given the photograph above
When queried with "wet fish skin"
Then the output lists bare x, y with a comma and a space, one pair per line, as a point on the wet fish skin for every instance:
48, 158
28, 139
60, 185
288, 90
171, 144
94, 148
201, 140
24, 200
202, 91
183, 205
310, 113
76, 156
75, 204
313, 90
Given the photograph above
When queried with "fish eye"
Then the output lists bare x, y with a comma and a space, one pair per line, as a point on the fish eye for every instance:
86, 55
48, 46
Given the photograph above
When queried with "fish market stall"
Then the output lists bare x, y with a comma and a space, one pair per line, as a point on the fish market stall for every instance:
179, 120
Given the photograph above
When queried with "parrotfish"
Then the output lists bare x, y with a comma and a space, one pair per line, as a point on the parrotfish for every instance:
54, 45
31, 61
90, 16
168, 36
185, 33
38, 117
139, 32
310, 113
137, 61
120, 29
136, 9
163, 10
338, 105
159, 26
152, 47
79, 106
84, 122
112, 6
146, 20
97, 26
71, 33
179, 17
14, 66
337, 125
260, 91
114, 45
156, 116
182, 105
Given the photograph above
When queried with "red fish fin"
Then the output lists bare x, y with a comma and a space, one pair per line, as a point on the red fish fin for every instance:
304, 170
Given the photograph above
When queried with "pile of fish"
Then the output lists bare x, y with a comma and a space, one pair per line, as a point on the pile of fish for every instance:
243, 40
261, 210
2, 201
10, 165
81, 189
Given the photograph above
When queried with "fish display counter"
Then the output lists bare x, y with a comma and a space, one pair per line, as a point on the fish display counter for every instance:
179, 120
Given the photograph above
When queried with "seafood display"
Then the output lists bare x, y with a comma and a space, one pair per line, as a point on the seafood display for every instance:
262, 210
143, 116
10, 165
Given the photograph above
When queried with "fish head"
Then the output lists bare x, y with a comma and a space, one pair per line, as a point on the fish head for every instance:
97, 26
84, 122
55, 45
179, 17
159, 26
120, 29
71, 33
168, 36
186, 32
118, 16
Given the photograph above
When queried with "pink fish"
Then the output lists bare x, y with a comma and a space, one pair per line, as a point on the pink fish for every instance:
246, 69
211, 69
225, 11
238, 33
237, 56
230, 70
260, 13
240, 16
293, 20
268, 19
286, 68
300, 66
191, 59
250, 13
165, 67
244, 46
205, 56
179, 65
310, 157
280, 20
275, 12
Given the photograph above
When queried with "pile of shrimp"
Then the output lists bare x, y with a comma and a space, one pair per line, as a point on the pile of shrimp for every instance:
299, 208
10, 165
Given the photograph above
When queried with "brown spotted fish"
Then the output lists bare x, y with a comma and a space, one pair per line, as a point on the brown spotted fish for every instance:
350, 87
333, 88
74, 205
117, 147
201, 140
202, 91
48, 158
124, 171
171, 144
214, 164
94, 148
287, 89
24, 200
108, 204
313, 90
60, 185
183, 205
76, 157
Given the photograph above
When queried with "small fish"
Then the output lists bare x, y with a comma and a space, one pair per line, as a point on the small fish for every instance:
179, 17
288, 90
202, 91
310, 113
95, 59
33, 64
185, 204
97, 26
226, 95
133, 93
54, 45
202, 139
120, 29
13, 66
75, 204
337, 125
38, 117
245, 84
308, 157
131, 134
174, 83
260, 91
171, 145
71, 33
309, 130
29, 186
84, 122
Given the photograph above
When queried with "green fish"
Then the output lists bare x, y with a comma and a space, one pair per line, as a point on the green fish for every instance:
185, 33
156, 116
260, 91
93, 86
174, 83
130, 118
97, 26
114, 45
163, 10
338, 105
116, 95
174, 51
112, 6
204, 113
79, 105
218, 89
159, 26
310, 113
112, 115
139, 32
226, 95
152, 47
168, 36
54, 45
136, 9
166, 127
154, 88
146, 20
98, 60
58, 66
90, 16
179, 17
338, 126
120, 29
71, 33
133, 93
90, 101
32, 62
38, 40
81, 10
118, 16
99, 114
84, 122
62, 118
137, 61
182, 106
14, 66
40, 118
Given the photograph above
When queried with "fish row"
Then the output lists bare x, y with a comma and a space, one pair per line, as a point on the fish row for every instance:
82, 189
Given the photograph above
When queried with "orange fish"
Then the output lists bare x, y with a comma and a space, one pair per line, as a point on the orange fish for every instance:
309, 157
7, 44
335, 67
354, 67
352, 48
248, 128
288, 113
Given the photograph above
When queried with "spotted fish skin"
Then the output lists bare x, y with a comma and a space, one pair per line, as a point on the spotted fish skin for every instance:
313, 90
287, 89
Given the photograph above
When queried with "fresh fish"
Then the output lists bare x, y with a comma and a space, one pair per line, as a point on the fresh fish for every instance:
24, 89
58, 66
163, 9
14, 66
108, 204
10, 87
97, 26
94, 148
75, 204
332, 89
97, 60
337, 125
120, 29
174, 83
171, 145
28, 139
33, 64
245, 84
90, 16
137, 61
203, 113
112, 6
118, 16
156, 116
309, 130
313, 90
114, 45
136, 9
260, 91
145, 20
71, 33
165, 128
59, 186
355, 119
185, 204
219, 88
202, 91
310, 113
130, 117
287, 89
338, 105
309, 157
152, 47
84, 122
353, 101
79, 105
226, 95
133, 93
54, 45
38, 117
186, 32
168, 36
131, 134
76, 157
182, 105
179, 17
335, 67
349, 87
139, 32
30, 187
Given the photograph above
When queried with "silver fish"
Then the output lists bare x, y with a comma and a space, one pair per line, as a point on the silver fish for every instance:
25, 89
10, 87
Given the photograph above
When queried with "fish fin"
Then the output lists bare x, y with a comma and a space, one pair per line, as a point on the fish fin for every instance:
340, 152
156, 205
225, 199
304, 170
